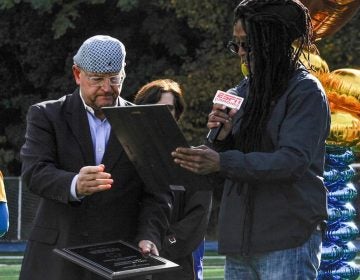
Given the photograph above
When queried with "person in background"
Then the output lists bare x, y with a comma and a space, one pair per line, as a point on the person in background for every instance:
271, 151
90, 191
4, 211
184, 242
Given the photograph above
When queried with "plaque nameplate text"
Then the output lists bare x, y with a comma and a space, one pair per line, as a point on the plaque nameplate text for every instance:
115, 260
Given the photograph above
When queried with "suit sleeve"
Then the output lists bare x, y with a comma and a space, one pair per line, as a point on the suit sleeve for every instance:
39, 159
301, 133
190, 229
154, 216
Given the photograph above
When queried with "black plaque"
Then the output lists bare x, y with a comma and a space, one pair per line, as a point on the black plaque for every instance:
116, 260
148, 134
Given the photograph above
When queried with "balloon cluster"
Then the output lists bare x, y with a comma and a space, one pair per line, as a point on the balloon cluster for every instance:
338, 250
342, 88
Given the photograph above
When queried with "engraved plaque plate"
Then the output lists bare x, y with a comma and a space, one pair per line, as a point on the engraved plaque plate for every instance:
115, 260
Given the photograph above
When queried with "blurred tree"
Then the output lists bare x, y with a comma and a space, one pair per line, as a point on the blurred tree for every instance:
173, 39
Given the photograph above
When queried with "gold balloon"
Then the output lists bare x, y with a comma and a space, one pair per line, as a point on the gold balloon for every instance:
328, 16
345, 129
342, 88
314, 62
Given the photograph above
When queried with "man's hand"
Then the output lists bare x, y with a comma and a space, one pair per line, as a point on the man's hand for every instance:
219, 115
201, 160
93, 179
147, 247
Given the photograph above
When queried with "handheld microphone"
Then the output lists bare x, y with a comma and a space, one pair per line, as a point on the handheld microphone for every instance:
231, 101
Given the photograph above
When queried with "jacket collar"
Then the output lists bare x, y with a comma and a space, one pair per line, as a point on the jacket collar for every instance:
77, 120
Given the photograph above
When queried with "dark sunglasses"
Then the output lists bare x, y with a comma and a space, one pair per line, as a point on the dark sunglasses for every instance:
234, 47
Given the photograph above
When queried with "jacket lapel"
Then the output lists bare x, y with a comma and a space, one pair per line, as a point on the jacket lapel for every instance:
79, 125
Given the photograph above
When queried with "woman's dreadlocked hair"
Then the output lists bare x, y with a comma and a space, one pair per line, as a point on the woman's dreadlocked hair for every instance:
271, 26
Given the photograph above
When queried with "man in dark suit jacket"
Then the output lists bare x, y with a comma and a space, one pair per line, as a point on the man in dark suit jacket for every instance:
90, 191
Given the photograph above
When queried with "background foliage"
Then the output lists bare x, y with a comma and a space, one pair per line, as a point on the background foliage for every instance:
179, 39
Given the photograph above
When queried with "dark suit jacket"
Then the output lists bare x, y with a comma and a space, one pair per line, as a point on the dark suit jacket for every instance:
58, 144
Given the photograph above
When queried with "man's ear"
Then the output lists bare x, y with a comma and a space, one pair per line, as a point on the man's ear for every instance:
76, 73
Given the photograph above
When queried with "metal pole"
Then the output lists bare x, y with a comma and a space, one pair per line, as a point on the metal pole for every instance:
19, 209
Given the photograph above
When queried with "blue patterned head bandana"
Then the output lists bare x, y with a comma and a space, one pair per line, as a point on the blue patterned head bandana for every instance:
101, 54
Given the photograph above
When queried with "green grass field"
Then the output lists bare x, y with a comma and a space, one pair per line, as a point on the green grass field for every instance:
10, 266
213, 266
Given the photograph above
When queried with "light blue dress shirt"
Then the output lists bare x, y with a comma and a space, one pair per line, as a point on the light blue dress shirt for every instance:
100, 133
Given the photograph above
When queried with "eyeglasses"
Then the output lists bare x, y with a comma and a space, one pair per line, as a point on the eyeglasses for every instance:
99, 81
234, 47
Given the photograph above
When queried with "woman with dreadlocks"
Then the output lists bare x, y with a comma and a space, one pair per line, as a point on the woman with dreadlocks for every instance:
271, 151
